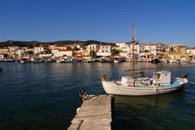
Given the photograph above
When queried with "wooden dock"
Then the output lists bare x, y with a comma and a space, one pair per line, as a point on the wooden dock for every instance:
94, 114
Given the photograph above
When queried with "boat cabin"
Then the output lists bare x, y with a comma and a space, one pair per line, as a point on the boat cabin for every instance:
162, 77
126, 81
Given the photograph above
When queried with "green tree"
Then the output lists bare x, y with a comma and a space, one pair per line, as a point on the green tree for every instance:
48, 51
29, 52
76, 49
84, 48
114, 52
6, 56
92, 54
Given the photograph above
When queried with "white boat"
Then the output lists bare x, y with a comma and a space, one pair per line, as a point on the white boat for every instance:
192, 61
128, 60
160, 83
117, 60
60, 61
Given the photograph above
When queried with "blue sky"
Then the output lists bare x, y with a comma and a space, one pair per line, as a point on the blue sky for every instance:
166, 21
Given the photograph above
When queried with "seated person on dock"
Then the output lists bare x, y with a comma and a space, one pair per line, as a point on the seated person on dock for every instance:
82, 95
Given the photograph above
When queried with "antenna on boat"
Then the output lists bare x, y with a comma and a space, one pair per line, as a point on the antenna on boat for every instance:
133, 42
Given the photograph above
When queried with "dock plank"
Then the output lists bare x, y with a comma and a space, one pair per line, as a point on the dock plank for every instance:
95, 113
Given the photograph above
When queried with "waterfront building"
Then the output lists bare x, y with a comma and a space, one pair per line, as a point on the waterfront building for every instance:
120, 46
191, 50
63, 53
59, 47
4, 50
145, 55
20, 52
129, 47
13, 48
129, 55
53, 51
1, 56
78, 54
177, 48
51, 46
29, 49
141, 47
92, 47
148, 47
105, 50
176, 51
76, 45
38, 50
45, 55
158, 48
85, 53
23, 48
126, 47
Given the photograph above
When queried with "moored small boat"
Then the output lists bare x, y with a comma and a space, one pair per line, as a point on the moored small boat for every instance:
160, 83
117, 60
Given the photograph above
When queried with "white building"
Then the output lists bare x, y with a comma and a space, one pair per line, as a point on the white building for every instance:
77, 45
148, 47
191, 50
53, 51
1, 57
92, 47
63, 53
51, 46
13, 48
105, 50
120, 46
20, 52
126, 48
60, 47
38, 50
158, 48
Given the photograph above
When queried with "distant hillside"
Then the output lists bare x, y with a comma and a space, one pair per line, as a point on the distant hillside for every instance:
30, 44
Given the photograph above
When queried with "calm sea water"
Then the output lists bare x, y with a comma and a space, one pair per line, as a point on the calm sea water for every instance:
45, 96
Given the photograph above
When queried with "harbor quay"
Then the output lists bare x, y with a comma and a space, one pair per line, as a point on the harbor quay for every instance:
98, 52
95, 113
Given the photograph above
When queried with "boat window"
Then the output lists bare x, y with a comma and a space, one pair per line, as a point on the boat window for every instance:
157, 76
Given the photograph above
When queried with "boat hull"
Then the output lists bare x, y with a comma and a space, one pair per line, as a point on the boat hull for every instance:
111, 88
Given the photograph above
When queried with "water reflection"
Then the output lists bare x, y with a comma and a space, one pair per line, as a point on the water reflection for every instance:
160, 101
45, 96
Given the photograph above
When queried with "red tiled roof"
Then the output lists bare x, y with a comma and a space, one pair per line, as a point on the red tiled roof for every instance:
159, 44
60, 46
193, 48
65, 50
148, 45
13, 46
105, 45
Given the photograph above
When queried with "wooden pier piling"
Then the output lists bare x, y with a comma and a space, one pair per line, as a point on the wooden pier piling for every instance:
94, 114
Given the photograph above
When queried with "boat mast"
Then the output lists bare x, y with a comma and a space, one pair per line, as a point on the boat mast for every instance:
133, 42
